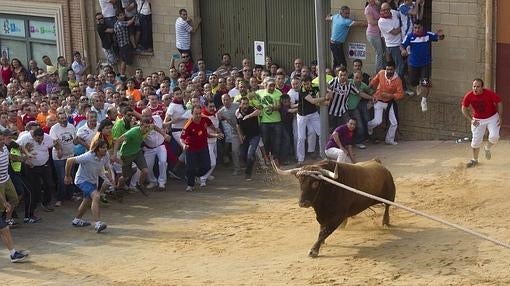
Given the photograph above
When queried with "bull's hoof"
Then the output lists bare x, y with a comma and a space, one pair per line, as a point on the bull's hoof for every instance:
313, 253
386, 226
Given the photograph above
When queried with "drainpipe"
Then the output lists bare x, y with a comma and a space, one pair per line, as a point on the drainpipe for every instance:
84, 31
489, 27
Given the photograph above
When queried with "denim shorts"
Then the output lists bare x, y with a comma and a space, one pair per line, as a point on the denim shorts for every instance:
87, 189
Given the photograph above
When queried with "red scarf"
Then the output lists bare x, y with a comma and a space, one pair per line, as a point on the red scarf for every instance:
205, 112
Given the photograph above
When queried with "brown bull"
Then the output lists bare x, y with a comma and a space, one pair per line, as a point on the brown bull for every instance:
334, 204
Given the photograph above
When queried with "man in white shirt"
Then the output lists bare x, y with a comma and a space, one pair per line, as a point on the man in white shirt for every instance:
176, 113
154, 146
36, 144
389, 24
65, 134
86, 132
108, 11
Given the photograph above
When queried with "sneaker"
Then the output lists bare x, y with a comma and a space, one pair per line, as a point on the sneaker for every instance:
132, 190
423, 104
211, 178
151, 185
19, 256
103, 199
488, 155
32, 219
391, 143
361, 146
189, 189
80, 223
370, 131
47, 208
11, 222
58, 204
99, 227
235, 173
161, 186
203, 182
248, 178
471, 163
410, 92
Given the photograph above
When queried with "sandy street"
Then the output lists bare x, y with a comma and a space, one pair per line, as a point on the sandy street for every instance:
238, 233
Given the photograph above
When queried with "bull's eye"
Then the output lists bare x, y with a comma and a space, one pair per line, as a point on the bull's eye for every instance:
315, 184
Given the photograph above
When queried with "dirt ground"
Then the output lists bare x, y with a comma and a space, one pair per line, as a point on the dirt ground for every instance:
238, 233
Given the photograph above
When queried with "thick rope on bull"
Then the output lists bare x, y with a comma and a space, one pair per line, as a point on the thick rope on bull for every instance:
420, 213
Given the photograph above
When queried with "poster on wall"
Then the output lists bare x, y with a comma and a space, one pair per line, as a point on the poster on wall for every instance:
42, 30
12, 27
357, 51
5, 52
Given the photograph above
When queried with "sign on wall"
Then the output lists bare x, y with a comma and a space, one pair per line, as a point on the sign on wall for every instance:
259, 52
357, 51
42, 30
12, 27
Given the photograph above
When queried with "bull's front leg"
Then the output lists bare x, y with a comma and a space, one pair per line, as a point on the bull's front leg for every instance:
325, 231
386, 216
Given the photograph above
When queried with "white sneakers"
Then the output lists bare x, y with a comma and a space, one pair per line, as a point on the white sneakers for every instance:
423, 104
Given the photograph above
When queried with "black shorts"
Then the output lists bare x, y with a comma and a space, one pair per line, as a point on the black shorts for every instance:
125, 54
419, 74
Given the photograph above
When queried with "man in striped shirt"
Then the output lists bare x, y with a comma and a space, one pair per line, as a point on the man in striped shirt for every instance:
341, 88
7, 191
184, 26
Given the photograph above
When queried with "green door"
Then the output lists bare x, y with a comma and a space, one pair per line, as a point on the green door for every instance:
286, 26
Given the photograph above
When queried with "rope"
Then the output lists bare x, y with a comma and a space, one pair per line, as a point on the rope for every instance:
431, 217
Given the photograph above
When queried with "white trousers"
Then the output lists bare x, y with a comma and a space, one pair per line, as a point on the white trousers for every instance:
213, 154
490, 123
379, 108
338, 155
150, 157
312, 123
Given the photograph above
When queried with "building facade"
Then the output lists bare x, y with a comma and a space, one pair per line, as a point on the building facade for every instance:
477, 43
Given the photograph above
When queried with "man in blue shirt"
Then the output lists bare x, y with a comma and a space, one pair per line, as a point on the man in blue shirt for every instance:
340, 24
420, 59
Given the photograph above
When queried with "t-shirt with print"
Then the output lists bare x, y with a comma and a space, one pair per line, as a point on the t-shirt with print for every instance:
268, 113
195, 134
65, 135
483, 105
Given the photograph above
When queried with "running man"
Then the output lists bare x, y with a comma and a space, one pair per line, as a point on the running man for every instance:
92, 165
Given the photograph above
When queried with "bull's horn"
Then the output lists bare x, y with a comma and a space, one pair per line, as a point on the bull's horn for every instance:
284, 172
328, 173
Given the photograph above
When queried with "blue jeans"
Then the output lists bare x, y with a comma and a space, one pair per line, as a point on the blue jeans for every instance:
271, 136
63, 191
197, 164
337, 49
360, 127
248, 150
378, 45
394, 54
285, 144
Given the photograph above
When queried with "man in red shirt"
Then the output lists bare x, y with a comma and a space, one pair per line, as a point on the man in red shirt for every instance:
194, 141
486, 113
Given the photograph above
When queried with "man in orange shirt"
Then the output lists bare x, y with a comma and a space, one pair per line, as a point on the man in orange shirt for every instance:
130, 90
41, 117
388, 89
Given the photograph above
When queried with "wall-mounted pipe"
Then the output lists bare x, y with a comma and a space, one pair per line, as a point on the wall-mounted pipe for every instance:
489, 41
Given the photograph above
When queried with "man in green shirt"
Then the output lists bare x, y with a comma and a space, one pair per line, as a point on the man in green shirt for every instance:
354, 108
129, 146
270, 118
123, 124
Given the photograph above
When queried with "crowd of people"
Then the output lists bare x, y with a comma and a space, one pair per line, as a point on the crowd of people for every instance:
136, 132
